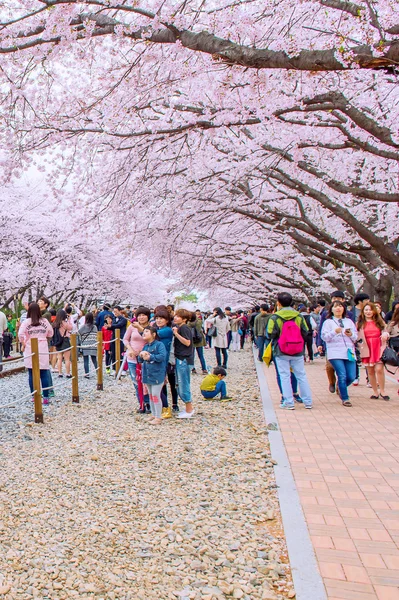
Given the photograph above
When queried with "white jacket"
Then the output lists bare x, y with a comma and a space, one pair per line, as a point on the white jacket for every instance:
338, 343
222, 326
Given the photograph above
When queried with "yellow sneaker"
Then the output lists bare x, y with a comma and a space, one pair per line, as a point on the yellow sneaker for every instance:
166, 413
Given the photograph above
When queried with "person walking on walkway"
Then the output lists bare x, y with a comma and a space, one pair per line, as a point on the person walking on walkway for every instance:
260, 323
235, 324
340, 296
227, 312
340, 334
199, 343
222, 325
35, 326
372, 332
243, 328
393, 330
287, 330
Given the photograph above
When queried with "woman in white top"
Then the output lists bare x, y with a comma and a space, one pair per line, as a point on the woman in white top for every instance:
339, 334
222, 325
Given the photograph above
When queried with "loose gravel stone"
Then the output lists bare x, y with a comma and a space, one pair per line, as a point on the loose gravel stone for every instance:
98, 504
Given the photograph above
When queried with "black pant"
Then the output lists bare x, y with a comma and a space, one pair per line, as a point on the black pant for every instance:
309, 346
113, 353
164, 391
7, 343
219, 358
108, 358
242, 339
229, 338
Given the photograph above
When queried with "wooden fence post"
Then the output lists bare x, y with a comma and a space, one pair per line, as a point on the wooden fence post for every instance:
74, 363
36, 380
117, 350
100, 380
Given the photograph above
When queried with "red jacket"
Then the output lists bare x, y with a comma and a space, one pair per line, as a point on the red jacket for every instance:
107, 337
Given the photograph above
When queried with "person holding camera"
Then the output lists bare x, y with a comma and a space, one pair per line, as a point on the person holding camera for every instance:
339, 334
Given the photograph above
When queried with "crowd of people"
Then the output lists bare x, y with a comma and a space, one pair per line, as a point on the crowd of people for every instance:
348, 337
159, 346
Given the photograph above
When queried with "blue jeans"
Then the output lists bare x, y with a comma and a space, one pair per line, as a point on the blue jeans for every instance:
200, 352
294, 382
219, 357
229, 338
346, 374
260, 342
284, 365
44, 380
183, 373
132, 372
86, 363
219, 389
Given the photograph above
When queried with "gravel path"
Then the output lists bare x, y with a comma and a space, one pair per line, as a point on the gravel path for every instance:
15, 387
96, 503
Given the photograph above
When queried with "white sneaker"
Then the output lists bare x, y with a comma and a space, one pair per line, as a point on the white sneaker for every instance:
185, 415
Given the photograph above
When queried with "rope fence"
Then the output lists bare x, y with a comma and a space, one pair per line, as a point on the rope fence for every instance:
36, 394
18, 401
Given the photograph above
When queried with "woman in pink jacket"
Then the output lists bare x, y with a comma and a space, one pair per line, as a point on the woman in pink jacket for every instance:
35, 326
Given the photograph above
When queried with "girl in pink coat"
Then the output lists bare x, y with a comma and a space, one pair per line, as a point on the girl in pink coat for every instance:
35, 326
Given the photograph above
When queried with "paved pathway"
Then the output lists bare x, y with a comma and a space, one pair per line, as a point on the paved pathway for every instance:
345, 462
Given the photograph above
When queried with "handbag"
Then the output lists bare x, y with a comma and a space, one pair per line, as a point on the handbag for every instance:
240, 332
351, 355
350, 352
391, 358
212, 331
267, 354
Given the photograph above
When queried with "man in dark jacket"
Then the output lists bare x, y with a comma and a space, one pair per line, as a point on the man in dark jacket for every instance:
119, 322
100, 319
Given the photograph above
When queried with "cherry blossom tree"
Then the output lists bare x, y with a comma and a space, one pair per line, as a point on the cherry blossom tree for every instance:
51, 252
268, 127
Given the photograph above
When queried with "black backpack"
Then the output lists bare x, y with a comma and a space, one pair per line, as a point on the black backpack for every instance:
197, 337
57, 338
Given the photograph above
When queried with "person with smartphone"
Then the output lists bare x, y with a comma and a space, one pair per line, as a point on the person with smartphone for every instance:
339, 334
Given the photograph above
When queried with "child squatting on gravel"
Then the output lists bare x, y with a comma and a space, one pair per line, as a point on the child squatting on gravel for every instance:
153, 358
212, 385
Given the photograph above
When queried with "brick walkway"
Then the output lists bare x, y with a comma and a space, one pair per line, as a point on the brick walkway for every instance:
345, 462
